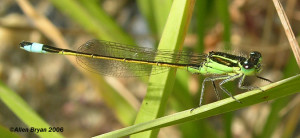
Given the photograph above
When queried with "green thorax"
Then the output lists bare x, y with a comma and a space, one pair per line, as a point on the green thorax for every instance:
226, 64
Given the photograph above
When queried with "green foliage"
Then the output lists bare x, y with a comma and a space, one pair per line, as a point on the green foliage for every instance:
273, 91
168, 22
24, 112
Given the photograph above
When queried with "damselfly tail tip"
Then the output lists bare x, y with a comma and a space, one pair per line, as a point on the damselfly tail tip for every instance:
24, 44
32, 47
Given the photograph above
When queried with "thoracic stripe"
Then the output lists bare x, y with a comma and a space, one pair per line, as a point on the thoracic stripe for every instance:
226, 59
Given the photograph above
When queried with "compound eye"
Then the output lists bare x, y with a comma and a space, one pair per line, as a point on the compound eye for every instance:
258, 66
255, 54
247, 65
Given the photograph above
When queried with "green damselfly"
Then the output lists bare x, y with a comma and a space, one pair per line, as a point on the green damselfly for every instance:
115, 59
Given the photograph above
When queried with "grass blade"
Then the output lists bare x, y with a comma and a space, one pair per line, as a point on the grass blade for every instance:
93, 19
21, 109
273, 91
160, 86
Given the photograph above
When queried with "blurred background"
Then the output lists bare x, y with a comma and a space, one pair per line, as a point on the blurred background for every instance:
88, 104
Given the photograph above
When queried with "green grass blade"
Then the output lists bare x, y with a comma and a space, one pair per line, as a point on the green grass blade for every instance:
160, 85
107, 24
122, 109
5, 133
21, 109
273, 91
223, 11
146, 9
184, 100
202, 10
161, 12
201, 13
93, 19
156, 12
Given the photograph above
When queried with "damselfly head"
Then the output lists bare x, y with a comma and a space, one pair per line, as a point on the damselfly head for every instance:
252, 65
255, 59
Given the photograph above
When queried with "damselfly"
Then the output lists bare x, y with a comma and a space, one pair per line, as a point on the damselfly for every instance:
115, 59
